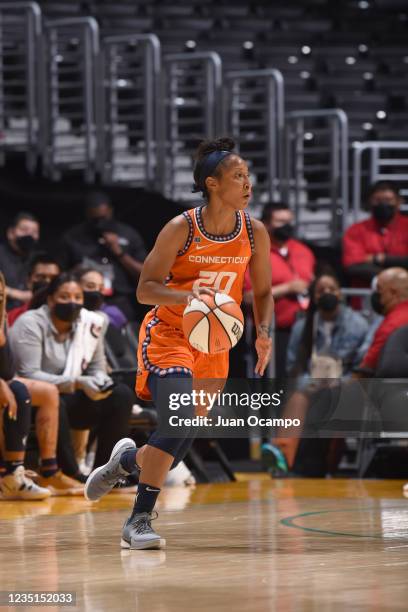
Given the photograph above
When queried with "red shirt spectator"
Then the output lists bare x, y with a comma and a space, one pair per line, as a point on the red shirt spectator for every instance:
292, 271
369, 237
290, 263
395, 319
391, 299
379, 242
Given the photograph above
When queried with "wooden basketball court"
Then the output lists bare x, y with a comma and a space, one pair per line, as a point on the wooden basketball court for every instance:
257, 544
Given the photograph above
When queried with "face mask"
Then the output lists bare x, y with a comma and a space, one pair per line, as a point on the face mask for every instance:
67, 311
383, 212
26, 243
327, 302
101, 225
93, 300
39, 285
376, 303
283, 233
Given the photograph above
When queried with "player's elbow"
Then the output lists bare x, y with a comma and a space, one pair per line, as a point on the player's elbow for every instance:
263, 294
141, 293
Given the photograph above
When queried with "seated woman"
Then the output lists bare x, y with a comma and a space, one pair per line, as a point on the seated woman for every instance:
92, 283
62, 343
325, 344
16, 398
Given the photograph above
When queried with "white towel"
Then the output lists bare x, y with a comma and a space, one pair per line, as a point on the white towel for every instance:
87, 332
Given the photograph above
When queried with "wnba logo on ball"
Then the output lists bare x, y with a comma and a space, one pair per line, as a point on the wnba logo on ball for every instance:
237, 331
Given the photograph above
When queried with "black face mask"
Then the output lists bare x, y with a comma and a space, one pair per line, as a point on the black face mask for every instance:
67, 311
39, 285
283, 233
26, 244
101, 225
327, 302
376, 303
93, 300
383, 212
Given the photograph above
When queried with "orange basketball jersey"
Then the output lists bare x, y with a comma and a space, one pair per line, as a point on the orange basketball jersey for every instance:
217, 262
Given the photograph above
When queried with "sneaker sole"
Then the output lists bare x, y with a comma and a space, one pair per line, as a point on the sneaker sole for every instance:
153, 545
124, 442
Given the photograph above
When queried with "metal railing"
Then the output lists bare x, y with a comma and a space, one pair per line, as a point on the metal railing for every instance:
191, 110
70, 49
20, 31
254, 116
387, 160
129, 109
316, 145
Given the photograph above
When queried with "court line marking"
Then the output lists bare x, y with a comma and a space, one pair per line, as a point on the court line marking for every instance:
289, 522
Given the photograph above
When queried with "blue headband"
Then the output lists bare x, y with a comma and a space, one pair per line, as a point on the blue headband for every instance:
208, 165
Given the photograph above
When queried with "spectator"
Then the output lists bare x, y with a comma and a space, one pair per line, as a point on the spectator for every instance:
15, 410
44, 399
380, 241
330, 328
43, 269
391, 300
62, 343
292, 271
114, 248
323, 345
92, 284
15, 254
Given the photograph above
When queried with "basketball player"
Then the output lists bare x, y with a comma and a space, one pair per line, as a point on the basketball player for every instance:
199, 252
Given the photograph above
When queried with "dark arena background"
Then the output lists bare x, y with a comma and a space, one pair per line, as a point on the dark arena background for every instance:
102, 107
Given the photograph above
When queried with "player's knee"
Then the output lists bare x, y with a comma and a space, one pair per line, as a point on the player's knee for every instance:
170, 446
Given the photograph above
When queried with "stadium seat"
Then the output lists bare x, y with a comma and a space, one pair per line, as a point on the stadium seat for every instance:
307, 25
250, 24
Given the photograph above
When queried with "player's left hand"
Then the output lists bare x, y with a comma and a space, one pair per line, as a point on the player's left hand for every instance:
263, 347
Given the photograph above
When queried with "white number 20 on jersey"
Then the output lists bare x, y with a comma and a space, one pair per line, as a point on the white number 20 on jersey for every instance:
215, 280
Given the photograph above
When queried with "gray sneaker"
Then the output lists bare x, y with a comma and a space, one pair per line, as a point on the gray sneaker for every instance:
103, 478
138, 534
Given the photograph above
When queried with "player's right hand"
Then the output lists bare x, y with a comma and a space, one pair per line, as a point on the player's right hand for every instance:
197, 293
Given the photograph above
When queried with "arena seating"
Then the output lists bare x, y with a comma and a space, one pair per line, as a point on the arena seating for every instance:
351, 55
338, 51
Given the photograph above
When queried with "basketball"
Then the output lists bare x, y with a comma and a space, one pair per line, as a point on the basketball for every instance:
213, 324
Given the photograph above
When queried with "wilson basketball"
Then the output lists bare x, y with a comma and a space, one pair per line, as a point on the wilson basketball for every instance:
213, 324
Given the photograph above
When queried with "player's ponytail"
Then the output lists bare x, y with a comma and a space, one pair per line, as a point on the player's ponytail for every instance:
209, 156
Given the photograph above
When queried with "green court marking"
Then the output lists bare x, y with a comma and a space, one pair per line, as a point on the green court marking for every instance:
289, 521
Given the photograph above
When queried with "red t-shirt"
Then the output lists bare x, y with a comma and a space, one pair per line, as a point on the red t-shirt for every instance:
299, 262
370, 238
392, 321
14, 313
